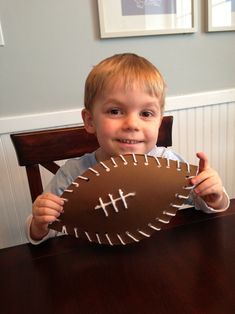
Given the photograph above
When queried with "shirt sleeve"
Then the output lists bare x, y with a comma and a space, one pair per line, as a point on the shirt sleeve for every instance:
200, 204
69, 172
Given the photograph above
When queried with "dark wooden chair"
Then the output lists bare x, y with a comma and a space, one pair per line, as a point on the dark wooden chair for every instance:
45, 147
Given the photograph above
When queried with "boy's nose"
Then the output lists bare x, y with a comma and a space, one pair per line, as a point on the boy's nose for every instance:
131, 123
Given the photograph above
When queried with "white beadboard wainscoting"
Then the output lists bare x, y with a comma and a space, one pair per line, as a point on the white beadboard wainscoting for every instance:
202, 122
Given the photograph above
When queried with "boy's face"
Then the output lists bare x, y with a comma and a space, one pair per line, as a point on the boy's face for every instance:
124, 122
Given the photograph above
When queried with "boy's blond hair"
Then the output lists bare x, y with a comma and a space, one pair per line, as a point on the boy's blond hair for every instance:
128, 69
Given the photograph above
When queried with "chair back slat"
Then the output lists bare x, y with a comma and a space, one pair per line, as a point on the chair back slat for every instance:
53, 144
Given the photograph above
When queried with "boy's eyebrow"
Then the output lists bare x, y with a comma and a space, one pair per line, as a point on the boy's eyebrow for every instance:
118, 102
151, 104
110, 100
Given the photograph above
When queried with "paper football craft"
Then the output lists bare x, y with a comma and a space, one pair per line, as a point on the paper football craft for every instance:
125, 199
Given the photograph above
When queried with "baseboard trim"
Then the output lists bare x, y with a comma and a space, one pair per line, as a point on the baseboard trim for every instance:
73, 117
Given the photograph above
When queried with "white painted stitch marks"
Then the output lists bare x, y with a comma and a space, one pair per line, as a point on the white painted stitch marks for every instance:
113, 202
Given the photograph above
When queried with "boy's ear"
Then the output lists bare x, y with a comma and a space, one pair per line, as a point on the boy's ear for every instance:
88, 121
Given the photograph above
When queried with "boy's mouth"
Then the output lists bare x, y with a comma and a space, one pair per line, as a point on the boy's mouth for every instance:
126, 141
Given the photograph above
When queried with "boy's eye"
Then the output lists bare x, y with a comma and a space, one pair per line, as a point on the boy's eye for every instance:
115, 111
146, 114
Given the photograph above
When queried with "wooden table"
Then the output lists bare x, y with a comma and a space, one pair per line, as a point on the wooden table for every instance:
188, 268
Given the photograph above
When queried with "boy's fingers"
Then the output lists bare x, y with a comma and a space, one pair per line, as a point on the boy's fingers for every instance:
49, 204
203, 162
45, 220
53, 197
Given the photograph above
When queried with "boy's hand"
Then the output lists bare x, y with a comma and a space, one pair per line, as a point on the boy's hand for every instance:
46, 209
208, 184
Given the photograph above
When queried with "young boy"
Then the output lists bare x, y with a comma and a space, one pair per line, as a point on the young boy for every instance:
124, 105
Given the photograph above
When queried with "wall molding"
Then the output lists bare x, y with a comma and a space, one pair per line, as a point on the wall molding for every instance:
200, 99
40, 121
73, 117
